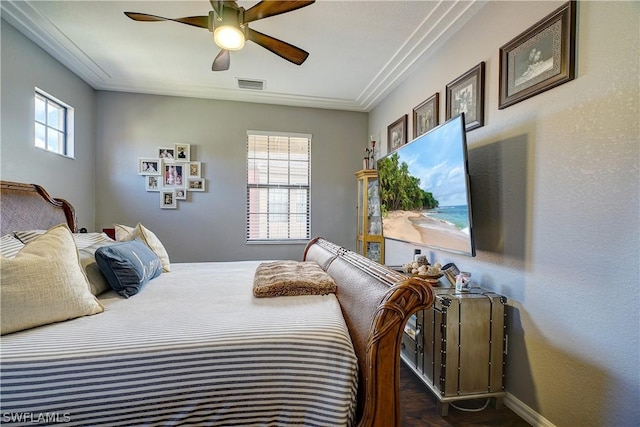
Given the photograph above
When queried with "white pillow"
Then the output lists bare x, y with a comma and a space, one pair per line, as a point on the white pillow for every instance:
25, 236
125, 233
9, 246
90, 240
87, 244
44, 283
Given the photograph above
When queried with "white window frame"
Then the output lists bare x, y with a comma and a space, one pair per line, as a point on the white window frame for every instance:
268, 217
67, 148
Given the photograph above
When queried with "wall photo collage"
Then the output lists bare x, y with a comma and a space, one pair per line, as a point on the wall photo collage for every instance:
173, 173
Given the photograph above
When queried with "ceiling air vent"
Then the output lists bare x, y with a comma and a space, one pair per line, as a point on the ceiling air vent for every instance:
251, 84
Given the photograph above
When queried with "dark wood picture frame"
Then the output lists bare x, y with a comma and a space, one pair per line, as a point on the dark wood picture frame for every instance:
540, 58
426, 116
466, 95
397, 134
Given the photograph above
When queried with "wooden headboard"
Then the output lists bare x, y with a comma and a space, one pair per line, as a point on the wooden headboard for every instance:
45, 212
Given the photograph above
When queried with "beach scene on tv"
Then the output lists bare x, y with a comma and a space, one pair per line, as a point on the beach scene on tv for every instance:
423, 191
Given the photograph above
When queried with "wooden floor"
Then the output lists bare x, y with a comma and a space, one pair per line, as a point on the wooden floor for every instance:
419, 408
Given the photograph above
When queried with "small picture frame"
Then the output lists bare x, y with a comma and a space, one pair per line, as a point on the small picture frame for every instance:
167, 154
148, 166
196, 184
173, 174
195, 170
168, 199
397, 134
152, 182
183, 152
181, 193
466, 95
426, 116
540, 58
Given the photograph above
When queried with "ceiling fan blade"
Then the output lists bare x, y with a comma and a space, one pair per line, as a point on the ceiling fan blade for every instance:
221, 63
195, 21
264, 9
280, 48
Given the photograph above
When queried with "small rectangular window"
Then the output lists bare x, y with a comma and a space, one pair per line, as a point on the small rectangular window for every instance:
278, 187
53, 124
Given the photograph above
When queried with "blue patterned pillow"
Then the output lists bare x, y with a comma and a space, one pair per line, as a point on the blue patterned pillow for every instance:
128, 266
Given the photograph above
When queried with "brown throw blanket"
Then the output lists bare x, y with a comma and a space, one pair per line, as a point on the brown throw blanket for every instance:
290, 278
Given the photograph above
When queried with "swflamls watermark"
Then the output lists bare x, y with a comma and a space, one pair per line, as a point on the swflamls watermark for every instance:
35, 417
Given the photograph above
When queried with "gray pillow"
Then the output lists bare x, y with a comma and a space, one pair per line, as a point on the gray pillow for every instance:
128, 266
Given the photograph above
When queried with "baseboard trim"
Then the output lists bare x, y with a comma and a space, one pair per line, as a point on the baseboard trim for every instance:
525, 412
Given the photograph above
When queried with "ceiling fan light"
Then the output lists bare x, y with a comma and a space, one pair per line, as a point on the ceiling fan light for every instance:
228, 37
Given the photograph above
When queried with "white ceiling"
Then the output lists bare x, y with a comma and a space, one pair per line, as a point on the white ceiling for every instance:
359, 50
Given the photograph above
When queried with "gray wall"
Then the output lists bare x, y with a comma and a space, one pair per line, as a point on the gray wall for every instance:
556, 210
555, 191
24, 67
210, 226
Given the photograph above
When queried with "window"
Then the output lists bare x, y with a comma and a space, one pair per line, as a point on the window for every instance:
278, 187
53, 124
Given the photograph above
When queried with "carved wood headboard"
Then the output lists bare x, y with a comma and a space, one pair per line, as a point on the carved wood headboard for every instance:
29, 207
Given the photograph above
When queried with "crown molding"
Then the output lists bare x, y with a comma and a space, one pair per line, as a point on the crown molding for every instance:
30, 22
446, 18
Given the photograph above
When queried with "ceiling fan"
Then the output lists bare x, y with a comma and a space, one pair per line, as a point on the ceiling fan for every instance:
229, 24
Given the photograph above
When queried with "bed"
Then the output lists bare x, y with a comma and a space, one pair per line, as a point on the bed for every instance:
196, 347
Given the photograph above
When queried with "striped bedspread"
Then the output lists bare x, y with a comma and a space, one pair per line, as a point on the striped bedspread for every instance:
194, 347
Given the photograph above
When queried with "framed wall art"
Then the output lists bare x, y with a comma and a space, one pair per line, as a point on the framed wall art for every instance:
152, 182
181, 193
397, 134
183, 152
166, 154
426, 116
195, 170
173, 174
195, 184
168, 199
466, 95
540, 58
148, 166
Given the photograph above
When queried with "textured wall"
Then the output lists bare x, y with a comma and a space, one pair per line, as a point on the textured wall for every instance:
210, 226
24, 67
555, 185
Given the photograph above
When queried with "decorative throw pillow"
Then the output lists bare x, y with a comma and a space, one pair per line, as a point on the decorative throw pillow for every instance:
125, 233
97, 281
87, 243
128, 266
9, 246
44, 284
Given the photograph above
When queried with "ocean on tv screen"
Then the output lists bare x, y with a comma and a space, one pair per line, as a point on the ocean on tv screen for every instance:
424, 191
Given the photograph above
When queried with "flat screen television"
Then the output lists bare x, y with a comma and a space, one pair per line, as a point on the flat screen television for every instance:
424, 190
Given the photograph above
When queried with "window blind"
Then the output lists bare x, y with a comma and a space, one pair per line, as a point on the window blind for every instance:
278, 187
